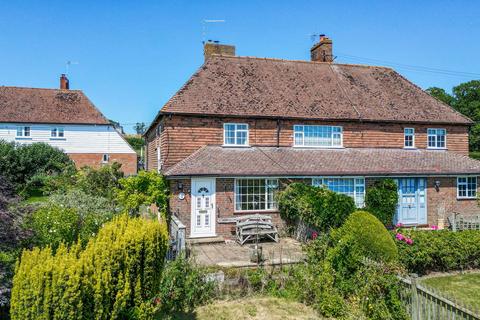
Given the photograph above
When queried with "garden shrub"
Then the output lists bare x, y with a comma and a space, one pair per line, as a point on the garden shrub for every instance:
146, 188
183, 287
318, 207
100, 182
115, 277
27, 166
69, 217
440, 250
381, 200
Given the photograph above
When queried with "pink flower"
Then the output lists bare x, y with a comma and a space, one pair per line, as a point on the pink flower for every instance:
434, 227
409, 241
400, 236
314, 235
399, 225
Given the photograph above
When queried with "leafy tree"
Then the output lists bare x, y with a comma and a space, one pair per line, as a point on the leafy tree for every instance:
140, 127
137, 142
146, 188
466, 100
100, 182
27, 167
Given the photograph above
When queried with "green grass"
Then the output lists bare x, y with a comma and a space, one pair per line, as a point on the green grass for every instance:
35, 199
464, 288
252, 309
475, 155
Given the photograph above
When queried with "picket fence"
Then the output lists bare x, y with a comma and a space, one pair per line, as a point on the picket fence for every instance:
427, 304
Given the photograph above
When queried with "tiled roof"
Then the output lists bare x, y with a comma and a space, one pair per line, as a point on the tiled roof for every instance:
34, 105
271, 161
259, 87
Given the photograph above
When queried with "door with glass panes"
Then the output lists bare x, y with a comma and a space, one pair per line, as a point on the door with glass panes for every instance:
412, 206
203, 207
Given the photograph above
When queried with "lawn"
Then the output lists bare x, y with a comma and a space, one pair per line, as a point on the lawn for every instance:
253, 308
465, 288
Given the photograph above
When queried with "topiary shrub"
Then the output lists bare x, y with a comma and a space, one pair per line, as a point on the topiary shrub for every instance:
381, 200
440, 250
361, 236
115, 277
318, 207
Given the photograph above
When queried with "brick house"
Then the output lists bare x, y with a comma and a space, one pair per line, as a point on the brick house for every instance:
241, 127
66, 119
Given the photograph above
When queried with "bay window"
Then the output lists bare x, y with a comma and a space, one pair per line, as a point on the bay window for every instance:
255, 194
317, 136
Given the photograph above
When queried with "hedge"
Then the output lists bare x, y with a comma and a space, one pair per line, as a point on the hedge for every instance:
381, 200
318, 207
115, 277
440, 250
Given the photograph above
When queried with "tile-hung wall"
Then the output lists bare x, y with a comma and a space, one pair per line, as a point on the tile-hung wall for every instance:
75, 139
182, 135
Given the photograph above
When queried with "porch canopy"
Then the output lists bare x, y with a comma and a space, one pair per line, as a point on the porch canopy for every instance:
288, 161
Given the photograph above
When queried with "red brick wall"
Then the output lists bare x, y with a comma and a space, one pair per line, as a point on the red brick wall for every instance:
128, 160
183, 135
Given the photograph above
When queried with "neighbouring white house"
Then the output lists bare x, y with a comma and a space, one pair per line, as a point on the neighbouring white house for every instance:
66, 119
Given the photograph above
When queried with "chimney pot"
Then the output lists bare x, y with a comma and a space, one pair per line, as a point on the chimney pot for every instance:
64, 83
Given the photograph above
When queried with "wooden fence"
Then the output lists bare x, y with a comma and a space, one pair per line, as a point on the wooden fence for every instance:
426, 304
459, 222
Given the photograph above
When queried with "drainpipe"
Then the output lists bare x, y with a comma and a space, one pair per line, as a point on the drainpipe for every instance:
278, 133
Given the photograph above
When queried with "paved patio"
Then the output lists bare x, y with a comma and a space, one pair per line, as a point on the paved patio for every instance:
231, 254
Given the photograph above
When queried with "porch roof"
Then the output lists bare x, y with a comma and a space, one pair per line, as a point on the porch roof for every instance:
272, 161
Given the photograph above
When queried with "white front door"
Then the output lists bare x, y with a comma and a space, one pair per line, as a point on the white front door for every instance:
203, 207
411, 208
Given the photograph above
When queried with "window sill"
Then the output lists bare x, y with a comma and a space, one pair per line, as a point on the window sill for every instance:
316, 147
466, 198
255, 211
23, 138
58, 139
235, 146
410, 148
430, 148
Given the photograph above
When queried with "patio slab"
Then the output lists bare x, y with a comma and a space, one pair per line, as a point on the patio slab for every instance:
231, 254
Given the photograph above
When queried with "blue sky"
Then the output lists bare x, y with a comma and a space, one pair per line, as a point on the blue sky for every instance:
134, 55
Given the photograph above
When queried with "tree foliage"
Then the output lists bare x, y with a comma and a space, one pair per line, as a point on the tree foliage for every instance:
146, 188
115, 277
316, 206
28, 166
466, 100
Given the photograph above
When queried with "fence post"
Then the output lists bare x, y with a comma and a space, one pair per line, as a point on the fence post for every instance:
415, 302
454, 222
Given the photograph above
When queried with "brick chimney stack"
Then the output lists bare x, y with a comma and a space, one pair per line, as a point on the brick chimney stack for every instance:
64, 83
213, 47
323, 50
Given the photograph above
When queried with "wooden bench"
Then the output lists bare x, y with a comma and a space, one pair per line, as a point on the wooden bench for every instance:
252, 226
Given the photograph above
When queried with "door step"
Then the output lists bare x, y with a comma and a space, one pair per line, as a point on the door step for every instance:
209, 240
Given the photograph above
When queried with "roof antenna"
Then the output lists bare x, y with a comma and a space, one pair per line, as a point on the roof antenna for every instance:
315, 36
204, 26
68, 64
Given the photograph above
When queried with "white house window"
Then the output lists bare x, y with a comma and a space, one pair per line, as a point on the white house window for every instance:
353, 187
437, 138
409, 141
23, 131
105, 158
57, 132
255, 194
235, 134
466, 187
317, 136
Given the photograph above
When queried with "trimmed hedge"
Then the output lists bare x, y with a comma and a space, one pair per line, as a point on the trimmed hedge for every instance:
115, 277
440, 250
318, 207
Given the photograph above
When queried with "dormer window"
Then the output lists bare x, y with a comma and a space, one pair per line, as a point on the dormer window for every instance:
437, 138
235, 134
318, 136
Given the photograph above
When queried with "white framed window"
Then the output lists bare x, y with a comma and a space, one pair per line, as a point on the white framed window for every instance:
23, 131
57, 132
466, 187
254, 194
437, 138
317, 136
409, 138
105, 158
353, 187
235, 134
